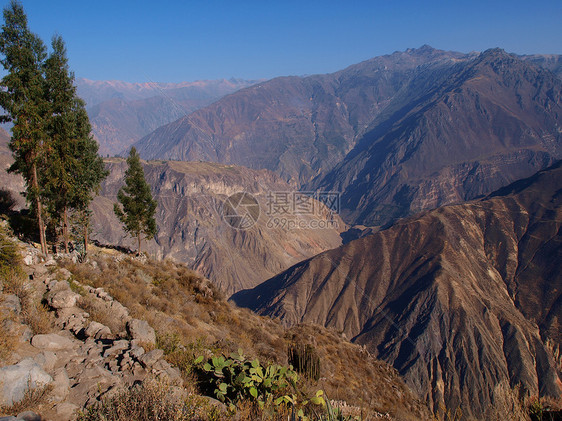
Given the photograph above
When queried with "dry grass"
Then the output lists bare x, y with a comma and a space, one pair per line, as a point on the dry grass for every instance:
33, 400
152, 400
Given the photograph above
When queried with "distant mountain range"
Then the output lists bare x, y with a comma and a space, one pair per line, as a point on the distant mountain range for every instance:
459, 299
395, 135
122, 113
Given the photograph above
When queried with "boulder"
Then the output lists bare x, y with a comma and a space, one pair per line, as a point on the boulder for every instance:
61, 386
150, 358
117, 348
141, 331
52, 342
29, 416
46, 359
66, 411
63, 299
98, 331
16, 380
10, 304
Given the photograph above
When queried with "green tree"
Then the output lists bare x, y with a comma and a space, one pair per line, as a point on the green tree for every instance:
22, 97
139, 207
75, 169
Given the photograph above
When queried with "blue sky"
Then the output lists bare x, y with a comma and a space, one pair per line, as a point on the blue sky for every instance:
169, 41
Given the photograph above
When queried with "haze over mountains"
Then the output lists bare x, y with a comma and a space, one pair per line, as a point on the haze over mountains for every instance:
121, 113
395, 134
459, 299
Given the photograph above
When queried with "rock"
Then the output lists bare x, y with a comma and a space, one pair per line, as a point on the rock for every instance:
65, 411
46, 359
50, 262
10, 304
29, 416
61, 386
141, 331
28, 260
117, 347
63, 274
119, 311
150, 358
63, 299
8, 419
136, 351
52, 342
97, 331
19, 378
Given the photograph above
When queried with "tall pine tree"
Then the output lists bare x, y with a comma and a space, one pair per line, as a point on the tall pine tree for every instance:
75, 170
22, 97
137, 214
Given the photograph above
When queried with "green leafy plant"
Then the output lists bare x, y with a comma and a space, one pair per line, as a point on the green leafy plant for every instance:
238, 378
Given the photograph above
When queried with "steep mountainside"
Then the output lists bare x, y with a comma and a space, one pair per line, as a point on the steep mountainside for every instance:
191, 227
297, 127
122, 113
481, 125
458, 299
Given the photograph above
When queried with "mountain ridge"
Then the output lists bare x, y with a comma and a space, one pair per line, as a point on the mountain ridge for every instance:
458, 299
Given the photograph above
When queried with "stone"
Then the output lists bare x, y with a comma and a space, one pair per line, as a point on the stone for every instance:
136, 351
63, 274
47, 360
63, 299
61, 386
141, 331
17, 379
52, 342
117, 348
97, 331
10, 304
150, 358
29, 416
28, 260
66, 411
8, 419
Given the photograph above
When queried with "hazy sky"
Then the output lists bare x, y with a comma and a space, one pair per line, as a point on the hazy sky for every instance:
172, 41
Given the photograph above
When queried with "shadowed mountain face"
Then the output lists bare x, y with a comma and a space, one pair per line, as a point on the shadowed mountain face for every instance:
458, 299
475, 127
395, 134
191, 227
121, 113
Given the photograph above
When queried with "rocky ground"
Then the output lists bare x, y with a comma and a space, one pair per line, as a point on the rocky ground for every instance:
82, 361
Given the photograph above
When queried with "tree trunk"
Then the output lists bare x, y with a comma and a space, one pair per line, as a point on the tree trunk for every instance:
139, 249
85, 238
65, 229
39, 209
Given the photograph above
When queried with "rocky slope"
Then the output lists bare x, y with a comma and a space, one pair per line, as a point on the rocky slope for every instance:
94, 347
122, 113
192, 229
458, 299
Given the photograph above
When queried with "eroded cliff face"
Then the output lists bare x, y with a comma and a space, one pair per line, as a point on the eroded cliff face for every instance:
458, 299
191, 227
